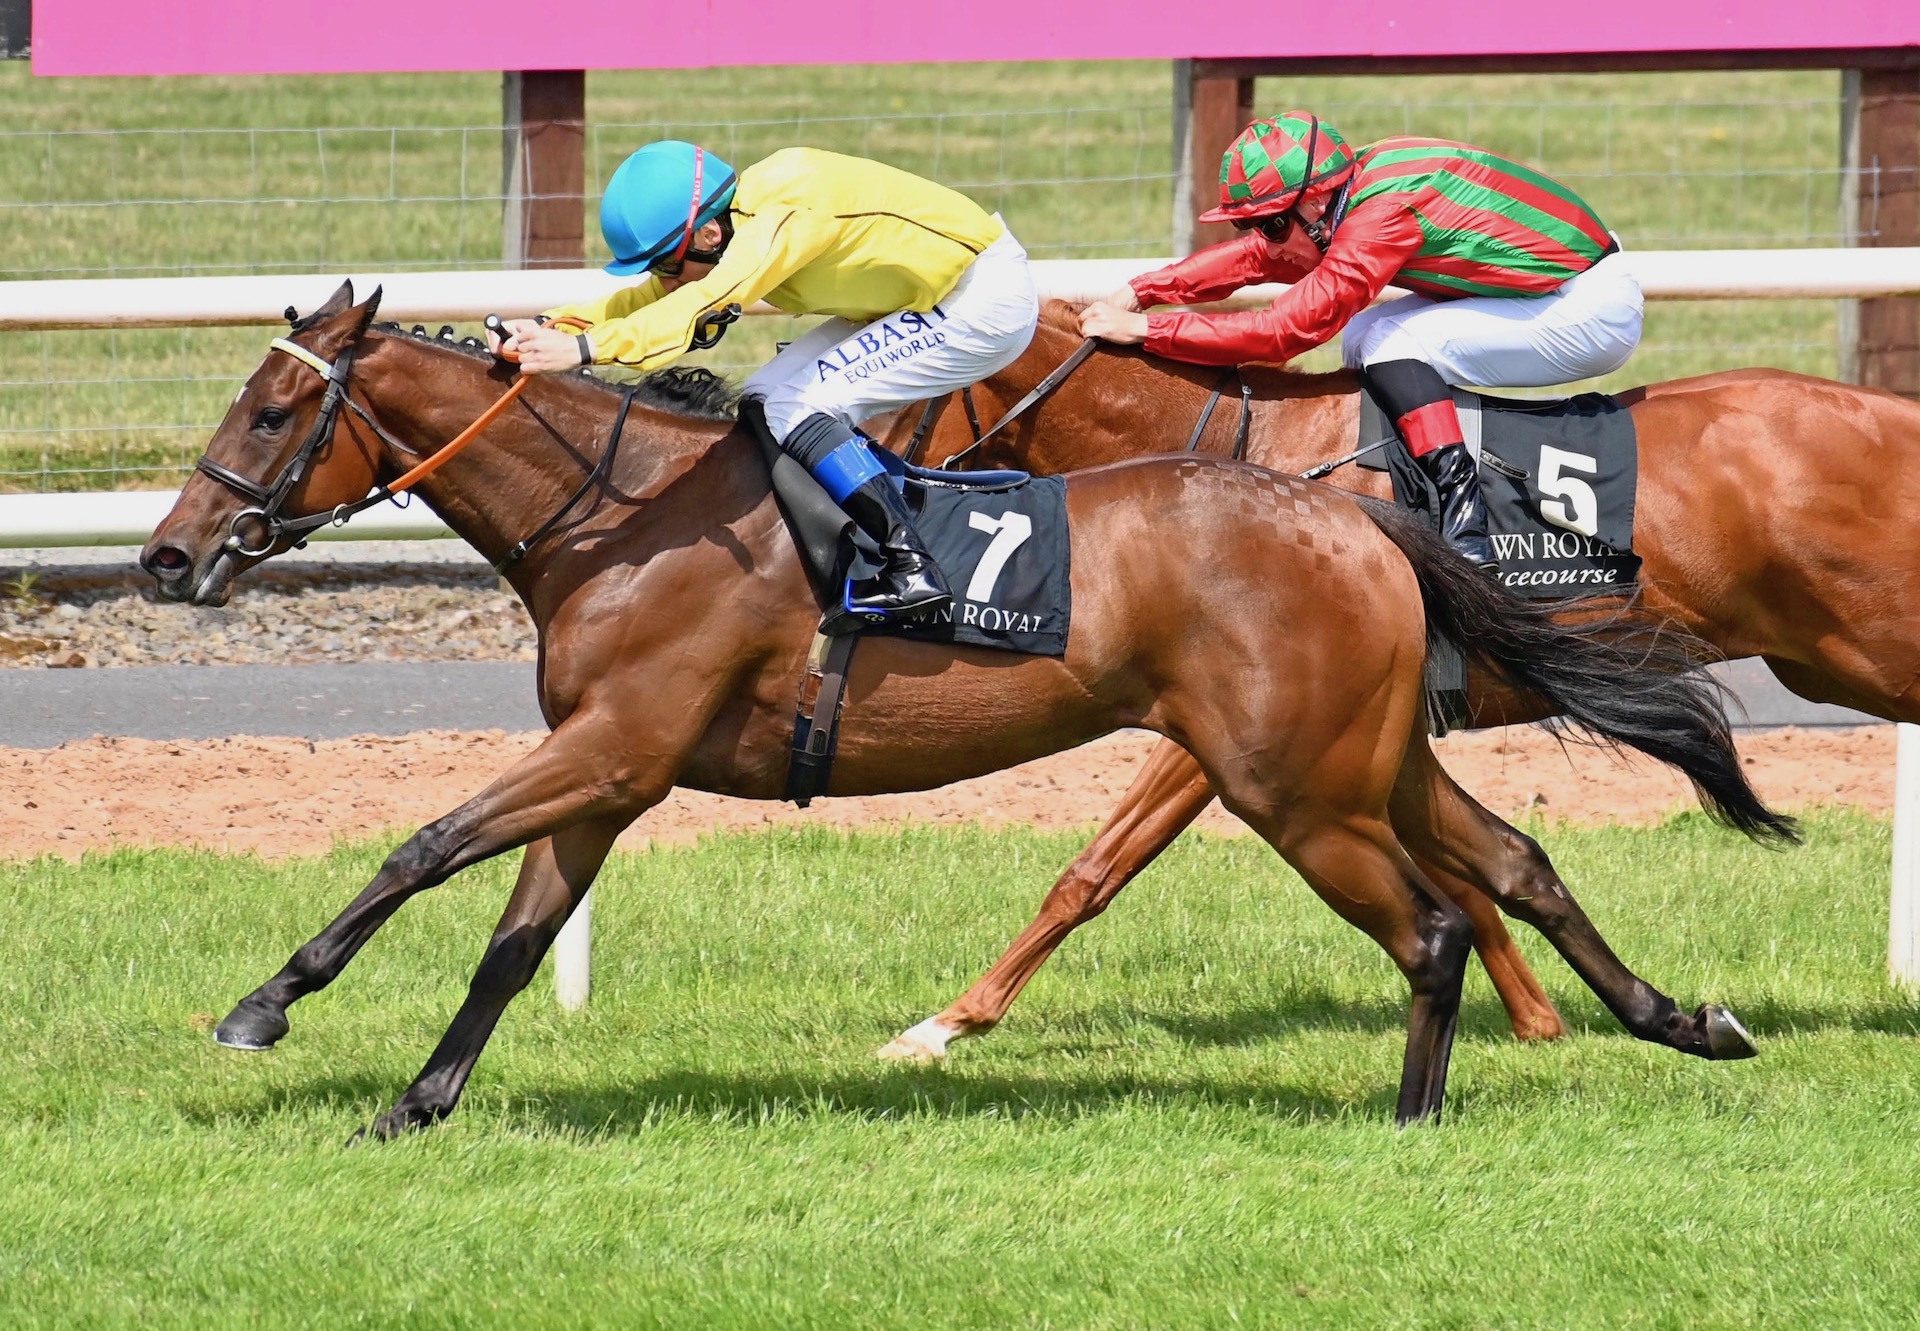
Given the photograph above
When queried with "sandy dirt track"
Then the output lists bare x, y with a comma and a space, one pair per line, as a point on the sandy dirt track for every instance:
288, 797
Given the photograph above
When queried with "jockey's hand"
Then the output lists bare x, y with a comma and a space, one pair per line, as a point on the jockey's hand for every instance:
1103, 321
547, 351
514, 327
1122, 299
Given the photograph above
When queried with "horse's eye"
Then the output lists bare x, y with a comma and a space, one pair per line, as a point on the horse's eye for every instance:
270, 418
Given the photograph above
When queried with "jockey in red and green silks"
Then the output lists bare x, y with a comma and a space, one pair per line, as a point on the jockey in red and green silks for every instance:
1517, 283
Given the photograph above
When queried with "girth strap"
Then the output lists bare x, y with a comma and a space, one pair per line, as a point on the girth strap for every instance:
1206, 414
816, 717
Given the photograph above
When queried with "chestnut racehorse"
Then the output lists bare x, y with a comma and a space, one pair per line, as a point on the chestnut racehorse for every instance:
1273, 628
1774, 517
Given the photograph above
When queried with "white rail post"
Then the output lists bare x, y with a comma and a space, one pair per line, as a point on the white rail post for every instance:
1903, 931
573, 958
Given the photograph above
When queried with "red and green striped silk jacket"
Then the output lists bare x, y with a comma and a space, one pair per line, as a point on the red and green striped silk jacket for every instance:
1439, 218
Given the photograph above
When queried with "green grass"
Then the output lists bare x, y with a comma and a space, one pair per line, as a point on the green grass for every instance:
1184, 1124
162, 176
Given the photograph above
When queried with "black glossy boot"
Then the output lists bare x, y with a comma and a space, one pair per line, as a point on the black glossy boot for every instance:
910, 584
1463, 510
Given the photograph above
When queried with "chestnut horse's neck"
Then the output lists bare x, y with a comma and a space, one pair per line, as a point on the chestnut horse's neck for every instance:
530, 461
1110, 397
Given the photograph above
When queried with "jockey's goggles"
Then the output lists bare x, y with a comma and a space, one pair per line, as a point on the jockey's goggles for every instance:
1275, 227
674, 264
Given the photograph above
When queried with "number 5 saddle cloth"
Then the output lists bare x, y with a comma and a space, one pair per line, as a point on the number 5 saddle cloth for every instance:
1559, 476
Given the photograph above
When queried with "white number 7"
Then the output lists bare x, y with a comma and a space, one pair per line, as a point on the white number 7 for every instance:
1009, 531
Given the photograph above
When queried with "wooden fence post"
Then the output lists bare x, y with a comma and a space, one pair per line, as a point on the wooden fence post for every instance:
1882, 116
1208, 110
543, 166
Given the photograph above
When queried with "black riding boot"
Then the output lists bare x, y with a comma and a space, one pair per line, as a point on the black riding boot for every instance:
1463, 510
910, 583
1420, 405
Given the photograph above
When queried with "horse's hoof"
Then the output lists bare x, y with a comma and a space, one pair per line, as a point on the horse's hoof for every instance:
1726, 1037
396, 1122
251, 1026
1539, 1028
925, 1043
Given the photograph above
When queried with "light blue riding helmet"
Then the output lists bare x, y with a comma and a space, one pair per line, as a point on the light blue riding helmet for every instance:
649, 208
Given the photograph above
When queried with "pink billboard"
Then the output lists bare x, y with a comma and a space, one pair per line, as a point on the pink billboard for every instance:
365, 36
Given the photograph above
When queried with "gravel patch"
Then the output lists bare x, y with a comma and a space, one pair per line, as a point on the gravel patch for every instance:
82, 615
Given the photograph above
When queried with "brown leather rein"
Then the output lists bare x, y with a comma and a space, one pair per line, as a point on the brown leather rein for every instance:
923, 430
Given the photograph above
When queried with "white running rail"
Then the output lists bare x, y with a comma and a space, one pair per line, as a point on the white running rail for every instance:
202, 302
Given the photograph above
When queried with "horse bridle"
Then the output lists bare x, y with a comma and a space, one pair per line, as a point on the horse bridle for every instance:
271, 497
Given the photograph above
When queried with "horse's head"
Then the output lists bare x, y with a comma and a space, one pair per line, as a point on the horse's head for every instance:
281, 453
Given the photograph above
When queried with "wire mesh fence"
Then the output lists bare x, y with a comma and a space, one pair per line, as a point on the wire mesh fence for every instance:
132, 409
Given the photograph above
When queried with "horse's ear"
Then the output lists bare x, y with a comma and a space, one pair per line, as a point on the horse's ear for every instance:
338, 303
367, 311
336, 329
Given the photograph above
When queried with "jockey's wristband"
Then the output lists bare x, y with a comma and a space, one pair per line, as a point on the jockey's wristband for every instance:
586, 348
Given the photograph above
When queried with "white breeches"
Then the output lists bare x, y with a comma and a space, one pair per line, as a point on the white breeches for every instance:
1585, 328
844, 369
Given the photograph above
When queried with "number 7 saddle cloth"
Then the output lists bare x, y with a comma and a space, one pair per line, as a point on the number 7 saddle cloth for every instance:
1559, 476
1000, 537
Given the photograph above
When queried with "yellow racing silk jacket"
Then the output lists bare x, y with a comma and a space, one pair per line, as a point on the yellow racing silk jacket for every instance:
814, 233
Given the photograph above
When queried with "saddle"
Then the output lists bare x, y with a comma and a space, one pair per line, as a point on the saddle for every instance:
828, 541
1559, 476
1001, 537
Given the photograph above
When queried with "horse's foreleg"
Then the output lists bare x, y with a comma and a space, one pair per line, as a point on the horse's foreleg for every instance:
554, 876
1455, 837
1168, 794
565, 780
1358, 868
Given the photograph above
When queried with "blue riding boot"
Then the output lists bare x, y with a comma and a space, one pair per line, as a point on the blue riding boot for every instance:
842, 460
909, 583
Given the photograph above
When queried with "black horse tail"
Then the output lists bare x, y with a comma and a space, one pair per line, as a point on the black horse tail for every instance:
1620, 677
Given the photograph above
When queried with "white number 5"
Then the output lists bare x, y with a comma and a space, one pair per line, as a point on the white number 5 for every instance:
1575, 506
1009, 531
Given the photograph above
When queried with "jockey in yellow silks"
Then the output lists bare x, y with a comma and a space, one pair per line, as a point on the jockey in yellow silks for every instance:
927, 293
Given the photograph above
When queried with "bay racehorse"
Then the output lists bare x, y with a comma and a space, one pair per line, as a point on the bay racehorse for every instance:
1774, 517
1275, 629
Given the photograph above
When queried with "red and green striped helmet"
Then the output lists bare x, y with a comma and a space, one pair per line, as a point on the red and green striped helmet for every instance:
1277, 162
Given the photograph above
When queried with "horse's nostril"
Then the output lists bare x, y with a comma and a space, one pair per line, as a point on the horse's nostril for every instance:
167, 560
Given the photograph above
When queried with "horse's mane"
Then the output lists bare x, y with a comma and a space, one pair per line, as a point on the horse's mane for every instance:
684, 390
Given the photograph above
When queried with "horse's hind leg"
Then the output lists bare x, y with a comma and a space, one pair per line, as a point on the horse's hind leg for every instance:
1168, 794
1359, 869
554, 876
1530, 1011
1455, 837
1164, 799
